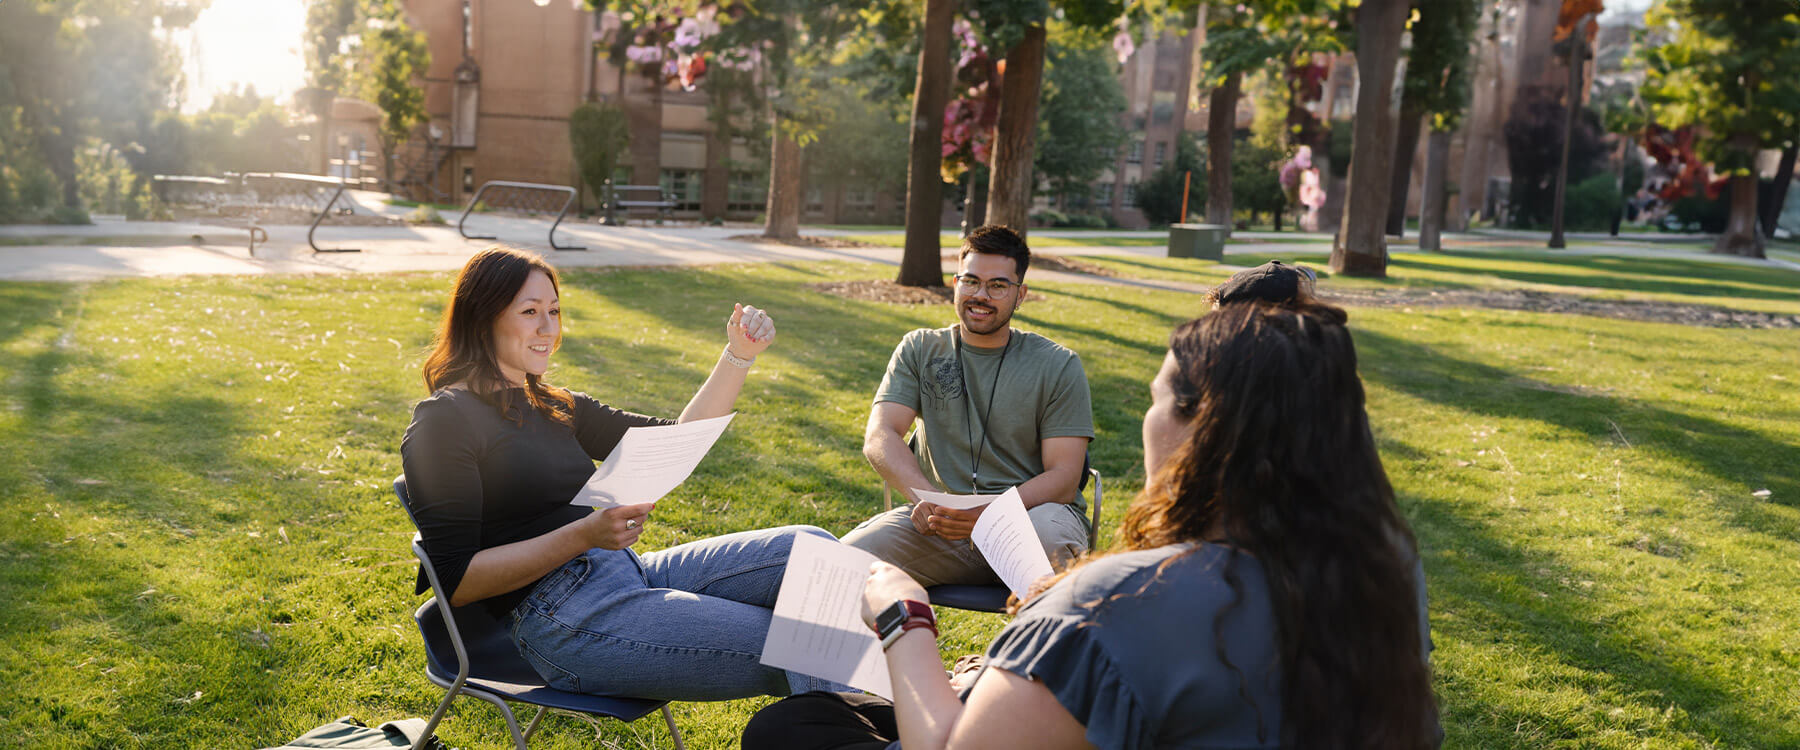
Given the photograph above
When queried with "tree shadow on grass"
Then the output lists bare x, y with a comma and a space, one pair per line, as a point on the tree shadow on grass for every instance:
1501, 593
1634, 274
1726, 452
1168, 318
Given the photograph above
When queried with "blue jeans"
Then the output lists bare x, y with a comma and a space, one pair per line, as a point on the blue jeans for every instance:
686, 623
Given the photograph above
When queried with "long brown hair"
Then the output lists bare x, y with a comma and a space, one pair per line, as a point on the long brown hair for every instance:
1280, 465
463, 349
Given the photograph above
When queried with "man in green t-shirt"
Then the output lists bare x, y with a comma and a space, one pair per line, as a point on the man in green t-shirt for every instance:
996, 407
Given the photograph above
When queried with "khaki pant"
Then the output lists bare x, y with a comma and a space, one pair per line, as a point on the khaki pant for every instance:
934, 561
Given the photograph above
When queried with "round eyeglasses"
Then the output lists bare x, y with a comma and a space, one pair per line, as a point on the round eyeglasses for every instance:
996, 288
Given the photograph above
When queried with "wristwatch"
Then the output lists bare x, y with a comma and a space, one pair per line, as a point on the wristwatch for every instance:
902, 616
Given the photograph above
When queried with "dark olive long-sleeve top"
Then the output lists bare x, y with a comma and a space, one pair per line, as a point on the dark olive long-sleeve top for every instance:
477, 479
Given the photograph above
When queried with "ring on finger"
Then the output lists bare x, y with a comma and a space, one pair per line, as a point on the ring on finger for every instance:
631, 524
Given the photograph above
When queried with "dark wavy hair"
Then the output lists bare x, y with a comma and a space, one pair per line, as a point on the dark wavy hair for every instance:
463, 349
1280, 465
997, 239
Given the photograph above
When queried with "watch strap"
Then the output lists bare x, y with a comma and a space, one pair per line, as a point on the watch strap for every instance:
901, 616
913, 623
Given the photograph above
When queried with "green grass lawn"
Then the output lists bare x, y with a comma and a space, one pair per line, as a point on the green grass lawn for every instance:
1759, 288
199, 546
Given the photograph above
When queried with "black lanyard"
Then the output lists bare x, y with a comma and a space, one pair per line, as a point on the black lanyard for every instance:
968, 399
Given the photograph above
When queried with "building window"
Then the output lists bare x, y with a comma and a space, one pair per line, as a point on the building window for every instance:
749, 192
1103, 194
684, 185
1136, 155
859, 199
814, 203
1131, 194
1162, 153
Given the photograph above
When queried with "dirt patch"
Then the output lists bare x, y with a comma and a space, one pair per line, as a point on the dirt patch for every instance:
1069, 264
1530, 301
884, 291
891, 293
801, 241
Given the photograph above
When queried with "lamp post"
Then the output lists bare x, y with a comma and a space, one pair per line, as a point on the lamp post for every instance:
1577, 50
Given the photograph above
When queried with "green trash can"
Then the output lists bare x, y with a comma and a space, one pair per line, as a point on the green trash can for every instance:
1206, 241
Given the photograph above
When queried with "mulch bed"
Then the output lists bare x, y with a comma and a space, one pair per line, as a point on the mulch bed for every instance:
1070, 264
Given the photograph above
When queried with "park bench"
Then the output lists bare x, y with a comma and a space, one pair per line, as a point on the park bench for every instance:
210, 193
256, 192
664, 202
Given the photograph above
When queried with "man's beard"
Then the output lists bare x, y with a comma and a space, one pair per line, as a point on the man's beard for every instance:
994, 322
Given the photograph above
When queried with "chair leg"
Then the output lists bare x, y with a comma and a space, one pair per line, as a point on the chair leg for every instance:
532, 727
436, 716
512, 722
674, 731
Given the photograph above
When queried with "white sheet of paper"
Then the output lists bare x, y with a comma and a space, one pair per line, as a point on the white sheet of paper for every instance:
955, 502
649, 462
1005, 536
818, 628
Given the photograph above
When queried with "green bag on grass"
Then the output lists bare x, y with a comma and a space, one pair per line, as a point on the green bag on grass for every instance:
348, 732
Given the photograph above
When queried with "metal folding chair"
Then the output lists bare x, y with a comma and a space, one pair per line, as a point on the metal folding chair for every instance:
992, 597
469, 652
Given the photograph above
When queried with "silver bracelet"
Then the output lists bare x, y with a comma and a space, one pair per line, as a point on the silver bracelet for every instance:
737, 361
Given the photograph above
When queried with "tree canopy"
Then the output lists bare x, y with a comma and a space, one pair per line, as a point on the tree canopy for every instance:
1729, 66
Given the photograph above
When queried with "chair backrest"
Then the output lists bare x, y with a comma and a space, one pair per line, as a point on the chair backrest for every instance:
461, 642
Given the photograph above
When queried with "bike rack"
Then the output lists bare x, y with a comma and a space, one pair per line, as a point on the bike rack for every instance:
568, 192
311, 180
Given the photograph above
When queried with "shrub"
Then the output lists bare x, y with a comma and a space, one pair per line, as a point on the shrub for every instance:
1160, 195
1085, 221
69, 215
1343, 139
1050, 217
1697, 211
598, 136
1590, 205
1534, 152
424, 214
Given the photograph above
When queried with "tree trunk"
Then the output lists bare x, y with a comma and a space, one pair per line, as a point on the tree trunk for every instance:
1015, 134
782, 216
1405, 145
920, 264
1434, 199
1221, 122
1784, 176
1742, 235
1572, 107
1360, 249
715, 190
975, 201
645, 116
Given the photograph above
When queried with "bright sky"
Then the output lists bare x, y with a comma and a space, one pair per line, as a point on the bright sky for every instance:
253, 42
1620, 7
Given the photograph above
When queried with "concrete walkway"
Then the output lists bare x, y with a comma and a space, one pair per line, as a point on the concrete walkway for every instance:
113, 248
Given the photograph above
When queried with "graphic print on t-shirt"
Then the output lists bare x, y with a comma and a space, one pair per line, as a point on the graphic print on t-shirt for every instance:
943, 381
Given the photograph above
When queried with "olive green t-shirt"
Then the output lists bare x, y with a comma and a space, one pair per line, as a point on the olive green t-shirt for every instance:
996, 415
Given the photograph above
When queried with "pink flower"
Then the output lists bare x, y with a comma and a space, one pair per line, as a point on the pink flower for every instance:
1123, 46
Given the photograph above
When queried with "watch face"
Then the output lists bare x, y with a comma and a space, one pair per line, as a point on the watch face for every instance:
891, 617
